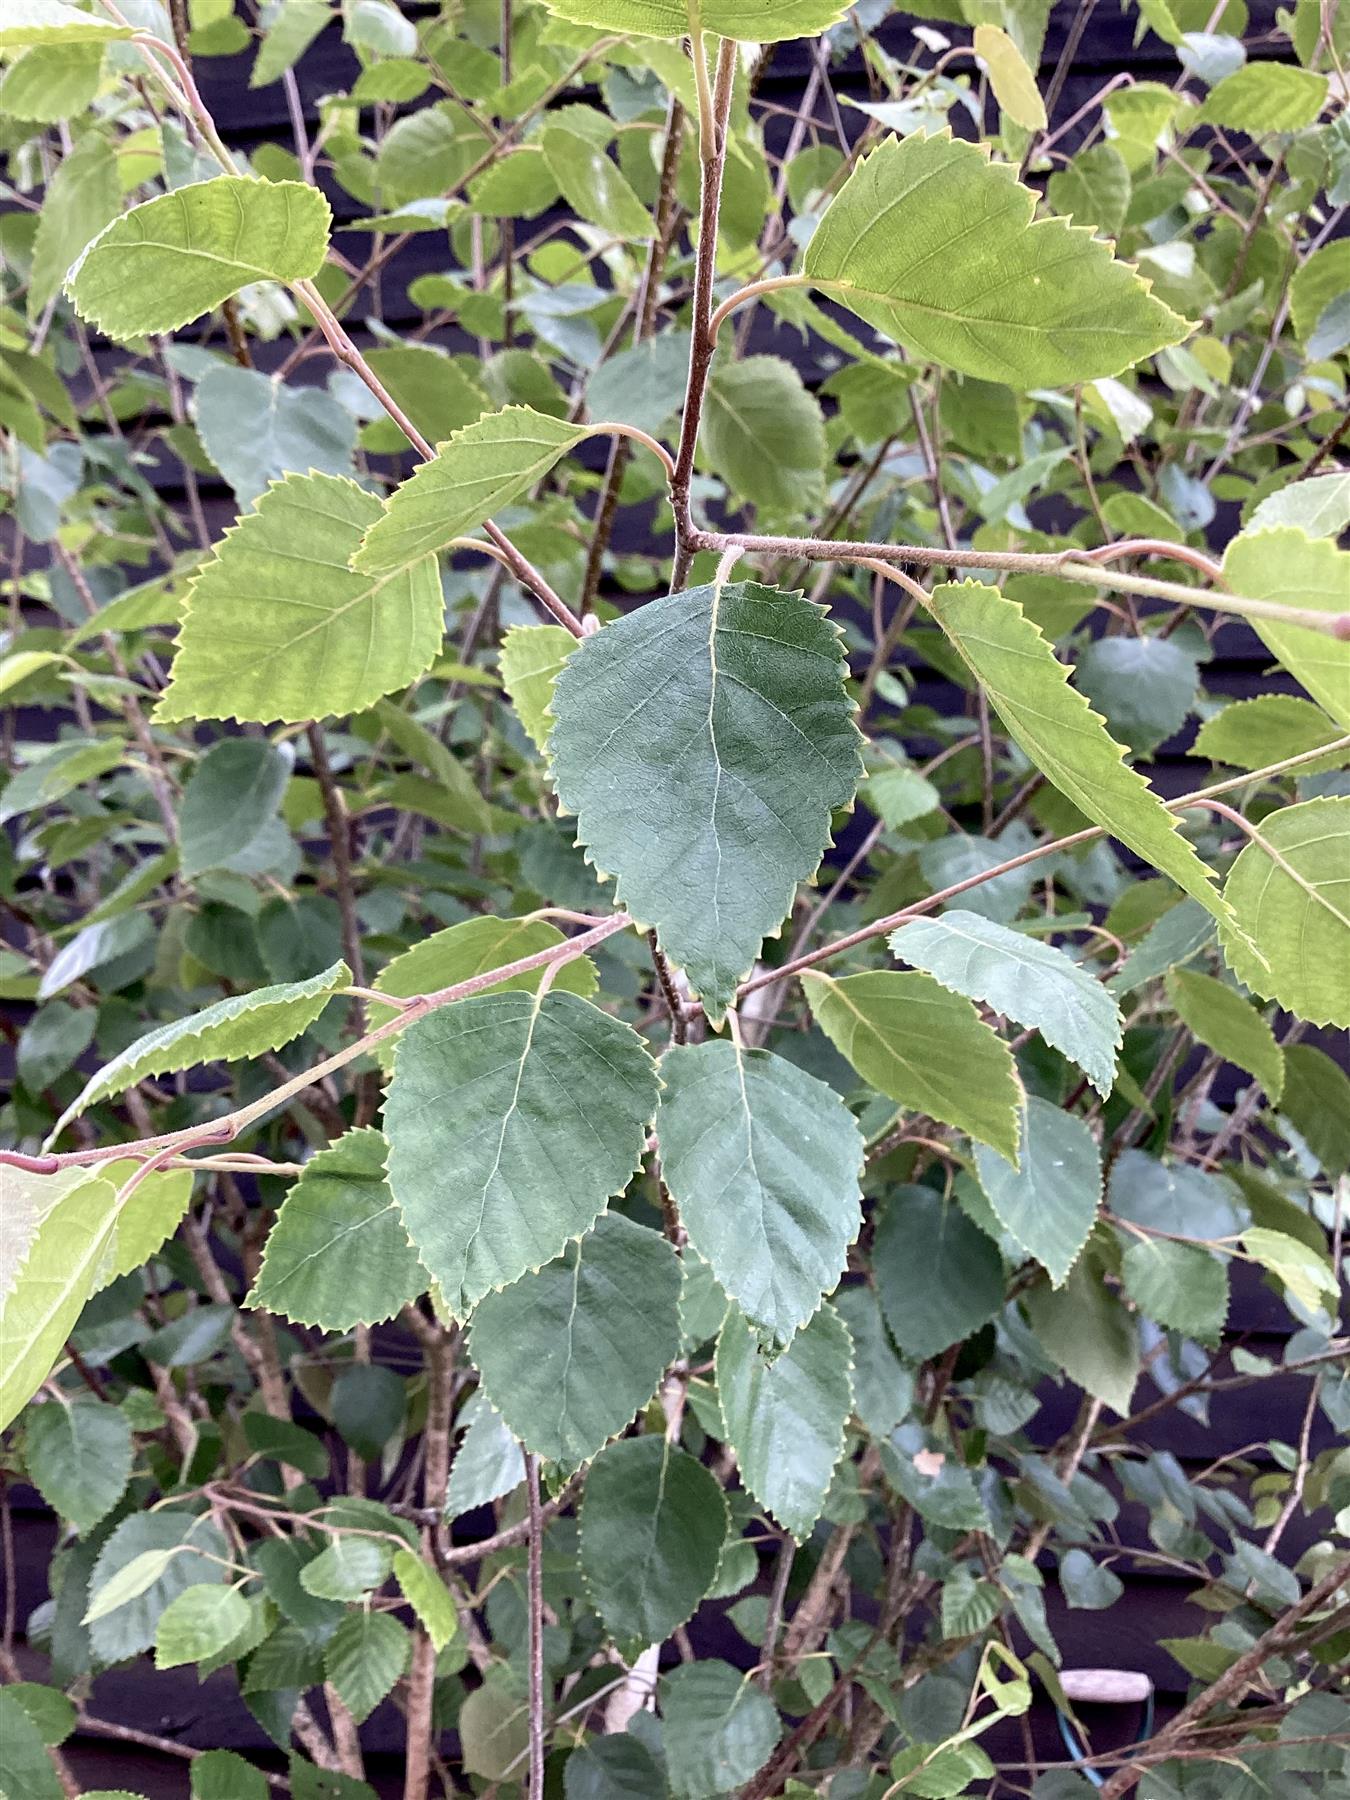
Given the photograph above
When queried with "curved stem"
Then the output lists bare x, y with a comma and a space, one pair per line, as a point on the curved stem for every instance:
609, 428
771, 284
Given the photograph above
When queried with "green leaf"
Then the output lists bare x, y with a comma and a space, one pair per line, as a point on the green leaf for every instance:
79, 1458
200, 1623
764, 1164
368, 1404
708, 733
338, 1255
1014, 84
1288, 566
52, 1713
283, 1442
234, 1030
752, 21
494, 1731
231, 795
1089, 1334
224, 1775
1029, 688
1050, 1203
719, 1729
1093, 190
58, 1232
58, 772
277, 626
616, 1767
883, 1387
1309, 1278
1228, 1025
435, 392
169, 260
570, 1352
785, 1419
472, 948
1252, 734
1179, 1286
26, 1770
939, 1771
511, 1120
429, 1598
51, 81
939, 1277
364, 1658
1144, 687
1031, 982
924, 1047
933, 244
348, 1568
763, 433
592, 185
653, 1523
473, 474
1316, 1101
531, 658
54, 22
1287, 890
150, 1559
255, 429
1264, 96
81, 199
1087, 1585
1319, 505
488, 1464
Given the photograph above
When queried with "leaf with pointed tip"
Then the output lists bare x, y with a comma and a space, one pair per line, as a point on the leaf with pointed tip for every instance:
171, 259
653, 1523
1028, 981
348, 1568
79, 1458
1264, 96
570, 1352
1252, 734
233, 1030
764, 1163
932, 243
785, 1419
57, 1232
924, 1047
531, 658
703, 742
1029, 688
489, 1462
511, 1120
338, 1255
1291, 897
1288, 566
277, 626
1228, 1025
80, 200
939, 1277
1049, 1204
364, 1658
474, 473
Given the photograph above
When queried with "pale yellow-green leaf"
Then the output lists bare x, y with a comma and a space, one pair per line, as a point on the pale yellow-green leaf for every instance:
473, 473
279, 626
171, 259
925, 1048
1228, 1025
1288, 566
752, 21
1014, 84
1310, 1278
1053, 724
531, 658
1289, 891
932, 243
28, 22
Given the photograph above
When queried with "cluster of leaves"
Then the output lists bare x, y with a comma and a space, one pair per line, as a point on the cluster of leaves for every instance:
448, 1078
